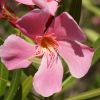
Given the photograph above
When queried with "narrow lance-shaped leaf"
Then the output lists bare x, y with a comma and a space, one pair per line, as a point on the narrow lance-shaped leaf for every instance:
96, 56
63, 6
91, 7
67, 83
86, 95
18, 95
14, 85
26, 87
75, 9
3, 78
91, 35
1, 41
94, 37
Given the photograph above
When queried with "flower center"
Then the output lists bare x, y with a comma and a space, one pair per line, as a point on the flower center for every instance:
47, 41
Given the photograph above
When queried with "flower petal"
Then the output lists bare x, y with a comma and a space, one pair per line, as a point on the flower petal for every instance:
48, 79
50, 5
1, 16
33, 23
40, 3
26, 2
15, 52
2, 2
77, 56
65, 27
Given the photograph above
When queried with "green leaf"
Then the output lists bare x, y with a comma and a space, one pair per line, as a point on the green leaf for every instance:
1, 41
96, 44
86, 95
68, 82
96, 56
18, 95
14, 85
26, 87
94, 37
3, 78
91, 34
75, 9
31, 70
89, 5
63, 6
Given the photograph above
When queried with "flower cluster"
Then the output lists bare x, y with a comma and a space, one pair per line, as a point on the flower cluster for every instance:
55, 37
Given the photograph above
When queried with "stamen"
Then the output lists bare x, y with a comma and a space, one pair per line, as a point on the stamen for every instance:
53, 58
48, 41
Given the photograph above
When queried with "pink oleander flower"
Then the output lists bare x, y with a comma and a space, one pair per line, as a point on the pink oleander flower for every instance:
50, 5
60, 38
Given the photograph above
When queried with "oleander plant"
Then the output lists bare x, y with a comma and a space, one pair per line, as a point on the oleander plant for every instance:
49, 49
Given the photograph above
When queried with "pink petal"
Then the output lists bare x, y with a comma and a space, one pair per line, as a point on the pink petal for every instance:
33, 23
40, 3
58, 0
50, 5
15, 52
48, 79
1, 4
27, 2
77, 56
1, 16
65, 27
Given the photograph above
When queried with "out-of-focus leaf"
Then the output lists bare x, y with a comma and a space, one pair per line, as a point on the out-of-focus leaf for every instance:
14, 85
31, 96
75, 9
96, 44
96, 56
89, 5
86, 95
63, 6
33, 68
1, 41
91, 34
3, 78
26, 87
94, 37
18, 95
69, 82
30, 70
